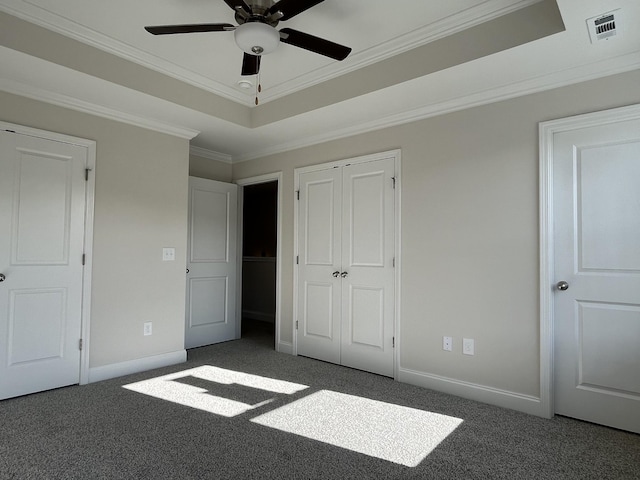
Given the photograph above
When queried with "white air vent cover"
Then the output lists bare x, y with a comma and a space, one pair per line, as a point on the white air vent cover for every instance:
604, 26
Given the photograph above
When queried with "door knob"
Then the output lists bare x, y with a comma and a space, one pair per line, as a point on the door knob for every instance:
2, 277
336, 274
344, 274
562, 286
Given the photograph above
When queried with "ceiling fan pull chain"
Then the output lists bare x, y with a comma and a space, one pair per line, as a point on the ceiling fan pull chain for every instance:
258, 86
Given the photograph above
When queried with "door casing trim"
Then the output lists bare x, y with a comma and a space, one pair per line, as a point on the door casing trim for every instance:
547, 130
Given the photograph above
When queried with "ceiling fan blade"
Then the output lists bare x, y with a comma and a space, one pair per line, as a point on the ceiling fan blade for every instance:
201, 27
290, 8
239, 4
250, 64
314, 44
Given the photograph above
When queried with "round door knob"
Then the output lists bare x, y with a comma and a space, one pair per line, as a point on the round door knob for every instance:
562, 286
2, 277
336, 274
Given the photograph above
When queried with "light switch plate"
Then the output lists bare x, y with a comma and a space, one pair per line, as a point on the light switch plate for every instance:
168, 254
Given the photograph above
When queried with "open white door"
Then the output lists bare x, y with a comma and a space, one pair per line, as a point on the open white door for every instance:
42, 215
596, 196
211, 263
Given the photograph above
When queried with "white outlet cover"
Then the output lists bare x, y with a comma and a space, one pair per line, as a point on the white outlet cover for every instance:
168, 254
447, 344
148, 328
468, 347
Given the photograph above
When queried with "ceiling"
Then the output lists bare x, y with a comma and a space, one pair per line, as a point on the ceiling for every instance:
414, 60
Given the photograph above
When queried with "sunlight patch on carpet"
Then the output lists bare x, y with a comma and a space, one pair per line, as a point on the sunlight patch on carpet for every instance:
171, 388
390, 432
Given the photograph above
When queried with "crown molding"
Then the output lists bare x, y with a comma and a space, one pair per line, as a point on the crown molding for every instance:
65, 101
470, 17
58, 24
616, 65
210, 154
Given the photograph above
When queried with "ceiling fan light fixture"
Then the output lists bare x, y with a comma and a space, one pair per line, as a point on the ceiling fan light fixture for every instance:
256, 38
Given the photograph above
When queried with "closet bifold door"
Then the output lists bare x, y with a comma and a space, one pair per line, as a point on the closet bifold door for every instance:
346, 278
319, 286
368, 280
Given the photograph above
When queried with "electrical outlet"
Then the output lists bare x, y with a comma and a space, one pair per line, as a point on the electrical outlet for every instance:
147, 329
468, 347
168, 254
447, 344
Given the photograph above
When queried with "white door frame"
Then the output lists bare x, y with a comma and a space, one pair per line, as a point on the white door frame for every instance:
284, 347
547, 130
396, 154
90, 146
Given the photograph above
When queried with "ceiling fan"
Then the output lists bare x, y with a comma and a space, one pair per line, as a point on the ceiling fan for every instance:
256, 34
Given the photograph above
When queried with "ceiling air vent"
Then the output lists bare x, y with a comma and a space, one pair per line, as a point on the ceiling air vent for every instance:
604, 26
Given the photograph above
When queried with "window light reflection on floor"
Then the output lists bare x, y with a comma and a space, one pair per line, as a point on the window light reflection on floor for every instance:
170, 388
383, 430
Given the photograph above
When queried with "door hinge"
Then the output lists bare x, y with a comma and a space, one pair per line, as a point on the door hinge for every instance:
84, 257
297, 259
86, 174
296, 324
80, 344
298, 194
394, 262
393, 180
393, 342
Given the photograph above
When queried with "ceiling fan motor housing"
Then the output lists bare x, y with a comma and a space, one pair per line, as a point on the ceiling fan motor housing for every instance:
257, 38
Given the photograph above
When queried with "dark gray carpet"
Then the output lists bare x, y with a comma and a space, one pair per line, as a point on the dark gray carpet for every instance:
104, 431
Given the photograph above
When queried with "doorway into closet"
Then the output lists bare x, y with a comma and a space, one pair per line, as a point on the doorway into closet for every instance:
259, 261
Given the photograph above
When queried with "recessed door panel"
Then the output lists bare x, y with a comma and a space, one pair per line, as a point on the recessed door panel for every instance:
366, 316
208, 301
609, 199
318, 310
41, 209
609, 357
320, 222
367, 219
209, 226
37, 319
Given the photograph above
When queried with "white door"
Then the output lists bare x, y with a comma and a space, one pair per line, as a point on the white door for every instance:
346, 273
596, 193
367, 265
42, 208
211, 263
320, 265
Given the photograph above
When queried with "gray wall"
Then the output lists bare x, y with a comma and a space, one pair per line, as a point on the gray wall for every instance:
469, 229
210, 169
140, 207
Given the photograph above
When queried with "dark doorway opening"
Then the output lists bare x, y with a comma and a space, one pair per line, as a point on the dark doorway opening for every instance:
259, 247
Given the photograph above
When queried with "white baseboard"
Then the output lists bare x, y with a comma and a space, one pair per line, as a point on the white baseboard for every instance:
480, 393
114, 370
285, 347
